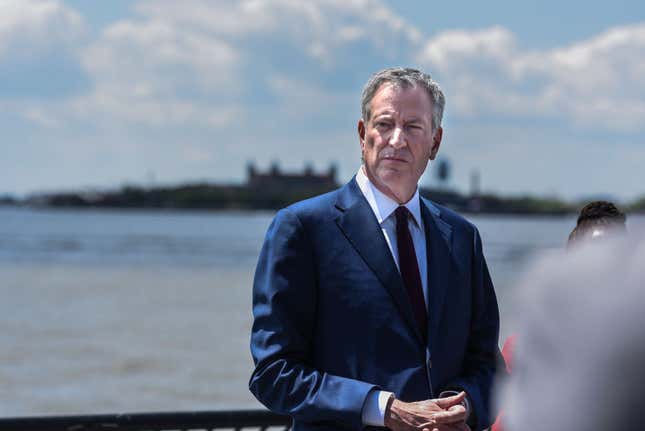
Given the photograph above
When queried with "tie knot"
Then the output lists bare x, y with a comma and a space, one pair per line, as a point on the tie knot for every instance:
402, 214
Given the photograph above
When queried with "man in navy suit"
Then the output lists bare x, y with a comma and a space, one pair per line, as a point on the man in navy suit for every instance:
373, 306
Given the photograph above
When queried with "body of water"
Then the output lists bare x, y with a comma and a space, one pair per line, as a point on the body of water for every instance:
129, 311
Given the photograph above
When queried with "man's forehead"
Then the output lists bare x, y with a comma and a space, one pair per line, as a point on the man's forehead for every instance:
395, 87
395, 99
405, 114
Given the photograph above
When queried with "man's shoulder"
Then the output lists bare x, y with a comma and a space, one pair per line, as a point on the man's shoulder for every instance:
315, 203
314, 209
450, 216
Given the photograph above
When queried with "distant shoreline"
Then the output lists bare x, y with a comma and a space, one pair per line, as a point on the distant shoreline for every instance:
262, 197
233, 211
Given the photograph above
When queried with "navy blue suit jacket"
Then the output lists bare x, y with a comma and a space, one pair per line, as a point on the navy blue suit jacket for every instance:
332, 319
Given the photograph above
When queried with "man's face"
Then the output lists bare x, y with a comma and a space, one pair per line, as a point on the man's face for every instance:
397, 141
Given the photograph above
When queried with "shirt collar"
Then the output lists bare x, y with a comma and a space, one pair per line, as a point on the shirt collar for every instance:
382, 205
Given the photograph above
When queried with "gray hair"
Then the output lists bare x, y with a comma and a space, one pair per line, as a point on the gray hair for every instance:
404, 78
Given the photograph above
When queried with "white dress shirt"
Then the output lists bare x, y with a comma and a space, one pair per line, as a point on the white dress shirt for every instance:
383, 207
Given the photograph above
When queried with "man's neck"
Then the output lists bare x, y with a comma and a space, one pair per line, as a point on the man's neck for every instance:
400, 196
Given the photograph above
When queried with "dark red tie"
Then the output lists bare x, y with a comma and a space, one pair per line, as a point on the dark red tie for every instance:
410, 269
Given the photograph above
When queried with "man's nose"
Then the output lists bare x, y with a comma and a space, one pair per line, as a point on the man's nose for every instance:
398, 140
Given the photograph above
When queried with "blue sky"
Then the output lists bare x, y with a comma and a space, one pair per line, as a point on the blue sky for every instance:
542, 97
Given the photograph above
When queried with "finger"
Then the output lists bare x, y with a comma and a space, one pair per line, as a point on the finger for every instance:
428, 426
450, 401
456, 408
455, 414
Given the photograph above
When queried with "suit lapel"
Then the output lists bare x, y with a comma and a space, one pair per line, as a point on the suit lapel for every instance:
440, 265
360, 226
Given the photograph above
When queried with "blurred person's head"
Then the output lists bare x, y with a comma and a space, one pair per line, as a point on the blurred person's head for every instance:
579, 359
596, 220
400, 129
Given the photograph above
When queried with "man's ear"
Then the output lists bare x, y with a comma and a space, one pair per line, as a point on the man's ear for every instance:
436, 142
361, 133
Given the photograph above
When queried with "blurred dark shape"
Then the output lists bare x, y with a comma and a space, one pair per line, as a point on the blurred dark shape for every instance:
524, 204
475, 183
596, 219
443, 172
276, 181
8, 200
275, 168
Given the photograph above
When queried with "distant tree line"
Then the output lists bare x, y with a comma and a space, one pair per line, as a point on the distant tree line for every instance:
245, 197
189, 196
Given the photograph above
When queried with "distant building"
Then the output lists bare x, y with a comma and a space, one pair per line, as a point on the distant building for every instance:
274, 180
475, 183
443, 172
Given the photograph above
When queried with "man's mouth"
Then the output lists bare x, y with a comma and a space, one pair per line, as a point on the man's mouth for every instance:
393, 158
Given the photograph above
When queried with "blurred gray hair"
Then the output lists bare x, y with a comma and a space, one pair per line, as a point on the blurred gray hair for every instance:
404, 77
581, 340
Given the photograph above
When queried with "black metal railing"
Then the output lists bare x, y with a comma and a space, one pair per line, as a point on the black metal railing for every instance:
166, 421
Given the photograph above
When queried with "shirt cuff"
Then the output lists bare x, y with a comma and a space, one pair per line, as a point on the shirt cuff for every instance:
374, 408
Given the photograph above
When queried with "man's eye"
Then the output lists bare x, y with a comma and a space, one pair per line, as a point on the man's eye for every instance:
382, 124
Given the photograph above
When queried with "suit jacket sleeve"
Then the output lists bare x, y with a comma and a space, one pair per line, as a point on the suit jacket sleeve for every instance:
482, 356
284, 310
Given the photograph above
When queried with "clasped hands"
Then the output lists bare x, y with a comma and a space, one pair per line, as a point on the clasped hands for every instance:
441, 414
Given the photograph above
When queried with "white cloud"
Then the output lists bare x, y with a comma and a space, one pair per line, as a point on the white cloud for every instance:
196, 61
156, 58
450, 49
317, 27
39, 39
104, 107
155, 73
29, 27
595, 83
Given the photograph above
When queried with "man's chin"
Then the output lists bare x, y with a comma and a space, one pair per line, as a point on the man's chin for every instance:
393, 176
396, 184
